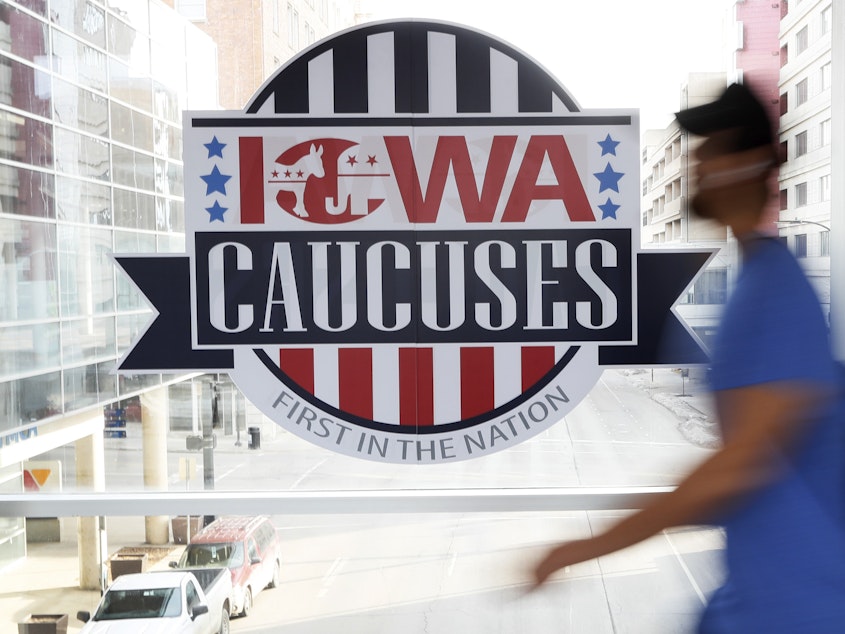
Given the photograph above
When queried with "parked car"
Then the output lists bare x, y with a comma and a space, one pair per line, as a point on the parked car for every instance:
248, 546
189, 601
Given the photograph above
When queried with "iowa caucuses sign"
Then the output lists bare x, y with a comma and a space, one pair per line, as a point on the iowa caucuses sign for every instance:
412, 246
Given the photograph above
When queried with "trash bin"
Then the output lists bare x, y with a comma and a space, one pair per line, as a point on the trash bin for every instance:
254, 437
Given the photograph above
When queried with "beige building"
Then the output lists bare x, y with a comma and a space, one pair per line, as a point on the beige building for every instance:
666, 219
255, 37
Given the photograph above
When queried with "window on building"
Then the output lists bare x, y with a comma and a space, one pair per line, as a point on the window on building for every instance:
825, 77
784, 55
801, 143
800, 245
824, 243
825, 20
784, 149
784, 104
802, 39
784, 8
784, 200
802, 91
801, 194
293, 27
824, 132
824, 187
276, 17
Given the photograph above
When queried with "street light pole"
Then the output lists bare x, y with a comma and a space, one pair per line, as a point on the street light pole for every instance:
802, 222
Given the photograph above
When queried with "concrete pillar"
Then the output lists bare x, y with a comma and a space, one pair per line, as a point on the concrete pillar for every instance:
90, 476
154, 422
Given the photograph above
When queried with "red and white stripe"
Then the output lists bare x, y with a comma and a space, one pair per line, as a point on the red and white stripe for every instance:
418, 386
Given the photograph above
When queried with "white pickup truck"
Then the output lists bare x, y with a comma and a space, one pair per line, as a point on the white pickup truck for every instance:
196, 601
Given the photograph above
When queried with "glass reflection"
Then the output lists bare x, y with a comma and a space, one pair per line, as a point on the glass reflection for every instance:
79, 62
26, 140
83, 18
133, 210
80, 108
132, 169
26, 192
29, 348
30, 399
83, 201
89, 385
129, 46
28, 270
87, 272
88, 339
24, 87
82, 155
30, 41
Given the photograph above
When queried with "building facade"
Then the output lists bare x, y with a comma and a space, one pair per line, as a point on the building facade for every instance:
91, 98
805, 135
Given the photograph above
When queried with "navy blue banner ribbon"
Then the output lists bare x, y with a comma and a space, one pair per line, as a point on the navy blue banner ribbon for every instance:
166, 345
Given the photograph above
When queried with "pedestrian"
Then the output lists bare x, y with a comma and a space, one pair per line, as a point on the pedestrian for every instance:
777, 483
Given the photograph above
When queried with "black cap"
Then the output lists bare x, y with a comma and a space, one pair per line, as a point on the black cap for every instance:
737, 108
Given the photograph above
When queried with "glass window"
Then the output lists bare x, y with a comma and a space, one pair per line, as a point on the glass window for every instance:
801, 143
802, 91
29, 348
824, 243
131, 127
800, 245
130, 87
132, 168
129, 46
824, 187
802, 39
801, 194
24, 87
83, 18
824, 132
83, 201
28, 270
32, 140
87, 273
30, 41
130, 383
81, 155
167, 140
87, 340
79, 62
26, 192
825, 77
133, 210
168, 178
30, 399
80, 108
89, 385
825, 20
36, 6
784, 200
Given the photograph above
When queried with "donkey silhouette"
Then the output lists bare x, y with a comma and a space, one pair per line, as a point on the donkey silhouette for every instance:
310, 164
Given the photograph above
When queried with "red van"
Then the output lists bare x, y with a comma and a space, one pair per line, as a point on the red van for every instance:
247, 546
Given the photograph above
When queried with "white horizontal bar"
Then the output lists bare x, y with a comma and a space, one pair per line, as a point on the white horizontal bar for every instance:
327, 502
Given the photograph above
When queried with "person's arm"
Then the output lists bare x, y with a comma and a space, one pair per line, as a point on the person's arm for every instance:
765, 421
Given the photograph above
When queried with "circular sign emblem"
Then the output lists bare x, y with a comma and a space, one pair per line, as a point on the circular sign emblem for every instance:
412, 246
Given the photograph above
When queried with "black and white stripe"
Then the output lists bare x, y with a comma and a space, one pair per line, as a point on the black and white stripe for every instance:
385, 69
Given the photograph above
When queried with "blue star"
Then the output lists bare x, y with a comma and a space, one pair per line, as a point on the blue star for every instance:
215, 148
608, 146
216, 212
608, 209
216, 182
608, 179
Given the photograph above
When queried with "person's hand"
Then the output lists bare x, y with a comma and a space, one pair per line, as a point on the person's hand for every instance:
559, 557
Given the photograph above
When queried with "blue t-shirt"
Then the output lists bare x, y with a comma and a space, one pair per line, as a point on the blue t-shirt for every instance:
785, 550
